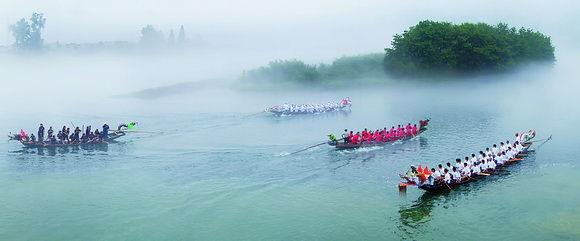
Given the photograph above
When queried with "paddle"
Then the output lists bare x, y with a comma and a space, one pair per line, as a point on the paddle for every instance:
447, 185
545, 139
310, 147
483, 174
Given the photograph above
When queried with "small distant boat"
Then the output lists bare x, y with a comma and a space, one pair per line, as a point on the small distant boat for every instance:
291, 109
341, 145
100, 142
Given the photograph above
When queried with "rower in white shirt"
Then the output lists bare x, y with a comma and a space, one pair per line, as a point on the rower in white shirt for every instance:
519, 146
436, 174
456, 174
441, 170
499, 159
447, 176
473, 159
494, 149
491, 165
466, 173
480, 156
458, 164
518, 137
487, 152
502, 147
476, 168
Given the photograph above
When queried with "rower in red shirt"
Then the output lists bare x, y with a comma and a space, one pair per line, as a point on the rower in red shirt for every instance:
414, 129
378, 136
355, 138
349, 137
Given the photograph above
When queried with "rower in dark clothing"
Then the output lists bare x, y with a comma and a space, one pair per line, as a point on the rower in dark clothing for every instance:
32, 138
105, 133
96, 136
88, 131
53, 140
50, 132
76, 134
40, 133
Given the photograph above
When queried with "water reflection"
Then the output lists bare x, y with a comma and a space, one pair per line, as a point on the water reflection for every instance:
319, 116
53, 151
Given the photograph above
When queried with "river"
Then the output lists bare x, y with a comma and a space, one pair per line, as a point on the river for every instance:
214, 168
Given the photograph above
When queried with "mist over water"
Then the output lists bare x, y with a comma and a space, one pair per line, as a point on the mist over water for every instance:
212, 169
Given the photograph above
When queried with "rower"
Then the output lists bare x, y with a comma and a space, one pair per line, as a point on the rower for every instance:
466, 172
487, 152
40, 133
491, 165
456, 175
355, 138
458, 164
476, 168
483, 165
449, 166
350, 137
473, 159
500, 159
32, 138
105, 132
50, 132
414, 129
433, 177
447, 176
518, 137
502, 147
494, 149
436, 173
344, 135
97, 135
441, 170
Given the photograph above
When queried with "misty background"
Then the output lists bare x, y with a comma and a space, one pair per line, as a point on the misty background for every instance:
233, 37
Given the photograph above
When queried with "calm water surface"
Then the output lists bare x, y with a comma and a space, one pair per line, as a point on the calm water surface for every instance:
215, 172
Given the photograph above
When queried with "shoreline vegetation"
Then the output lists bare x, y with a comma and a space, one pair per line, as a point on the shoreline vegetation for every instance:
430, 49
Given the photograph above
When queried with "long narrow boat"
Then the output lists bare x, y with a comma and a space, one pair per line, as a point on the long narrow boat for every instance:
341, 145
286, 109
112, 137
443, 187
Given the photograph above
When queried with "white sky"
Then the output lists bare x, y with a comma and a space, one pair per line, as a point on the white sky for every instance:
275, 20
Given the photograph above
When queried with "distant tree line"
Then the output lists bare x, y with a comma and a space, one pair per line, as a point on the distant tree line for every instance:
27, 35
153, 38
342, 69
428, 49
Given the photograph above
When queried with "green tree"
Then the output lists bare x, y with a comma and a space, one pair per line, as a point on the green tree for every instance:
171, 38
28, 35
181, 36
443, 48
150, 37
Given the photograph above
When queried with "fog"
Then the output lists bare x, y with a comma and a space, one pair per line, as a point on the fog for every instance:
236, 36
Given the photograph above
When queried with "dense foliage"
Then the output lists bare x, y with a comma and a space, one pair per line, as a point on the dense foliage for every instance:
440, 47
28, 34
342, 69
